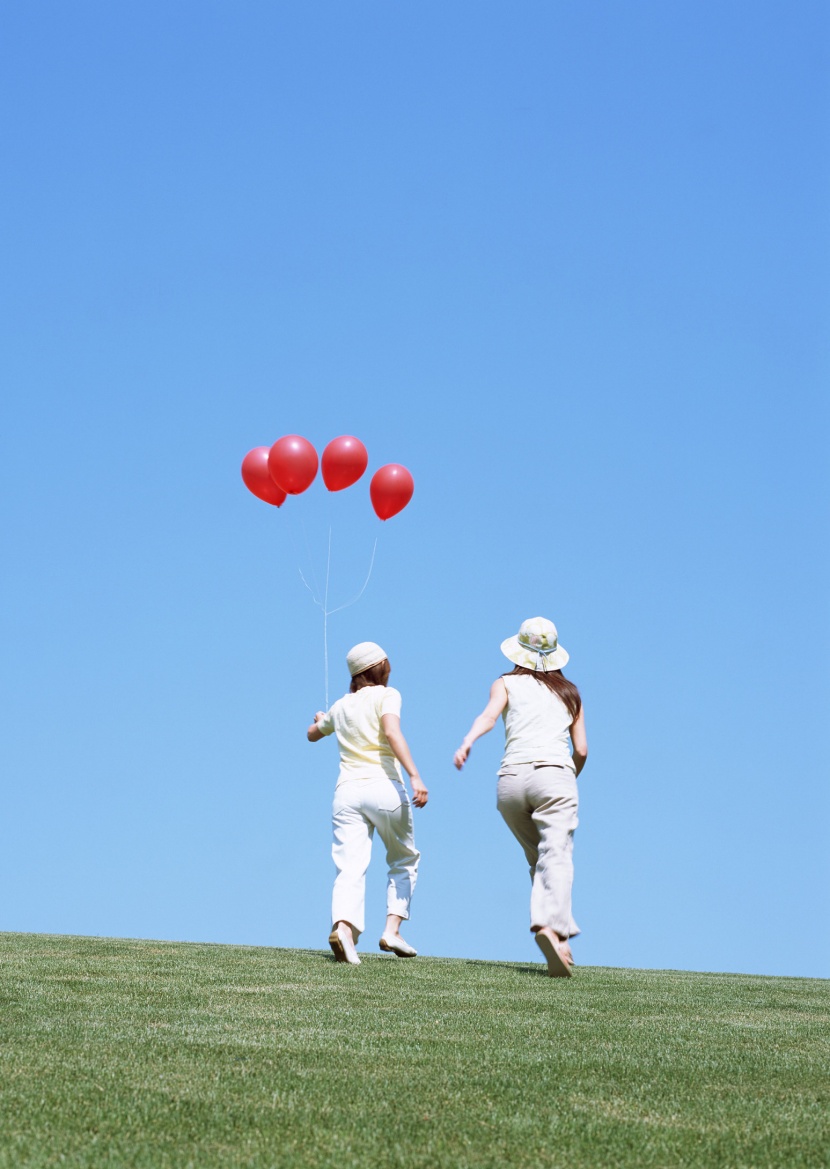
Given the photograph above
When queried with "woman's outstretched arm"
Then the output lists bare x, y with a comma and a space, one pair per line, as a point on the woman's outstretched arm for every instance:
391, 724
314, 734
484, 723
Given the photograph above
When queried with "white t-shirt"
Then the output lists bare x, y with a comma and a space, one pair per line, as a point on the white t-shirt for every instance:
364, 748
536, 724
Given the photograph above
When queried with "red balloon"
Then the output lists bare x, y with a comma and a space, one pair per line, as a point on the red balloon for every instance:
292, 463
391, 490
257, 478
344, 461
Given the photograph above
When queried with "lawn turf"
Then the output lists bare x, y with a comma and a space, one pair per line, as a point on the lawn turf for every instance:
157, 1054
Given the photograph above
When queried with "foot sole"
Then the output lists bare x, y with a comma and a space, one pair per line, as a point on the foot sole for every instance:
337, 947
557, 966
341, 954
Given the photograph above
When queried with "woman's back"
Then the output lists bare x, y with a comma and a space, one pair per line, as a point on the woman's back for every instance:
536, 723
355, 718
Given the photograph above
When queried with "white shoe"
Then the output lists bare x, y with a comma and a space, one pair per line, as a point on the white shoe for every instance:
343, 947
394, 944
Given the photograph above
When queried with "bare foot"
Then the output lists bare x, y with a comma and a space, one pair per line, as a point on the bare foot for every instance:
551, 946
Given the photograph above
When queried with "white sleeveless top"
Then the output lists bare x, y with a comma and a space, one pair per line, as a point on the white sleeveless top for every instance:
536, 724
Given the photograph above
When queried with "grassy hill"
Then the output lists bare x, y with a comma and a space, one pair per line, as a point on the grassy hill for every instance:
124, 1053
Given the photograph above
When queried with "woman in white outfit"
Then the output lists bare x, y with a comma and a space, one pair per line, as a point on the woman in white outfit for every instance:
537, 793
370, 794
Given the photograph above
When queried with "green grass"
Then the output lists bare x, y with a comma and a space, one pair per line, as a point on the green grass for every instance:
124, 1053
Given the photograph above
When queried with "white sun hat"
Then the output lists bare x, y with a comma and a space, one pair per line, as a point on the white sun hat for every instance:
361, 657
536, 646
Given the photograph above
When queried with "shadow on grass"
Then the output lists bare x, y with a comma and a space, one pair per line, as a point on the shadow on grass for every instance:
537, 971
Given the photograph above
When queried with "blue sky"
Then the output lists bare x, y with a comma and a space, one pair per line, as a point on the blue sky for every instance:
569, 264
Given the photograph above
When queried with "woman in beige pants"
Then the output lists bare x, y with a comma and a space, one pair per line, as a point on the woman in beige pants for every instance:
537, 793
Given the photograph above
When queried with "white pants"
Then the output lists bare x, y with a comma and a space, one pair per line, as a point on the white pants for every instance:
360, 806
539, 804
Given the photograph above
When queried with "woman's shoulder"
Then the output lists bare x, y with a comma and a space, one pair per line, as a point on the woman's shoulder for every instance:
530, 688
376, 696
390, 701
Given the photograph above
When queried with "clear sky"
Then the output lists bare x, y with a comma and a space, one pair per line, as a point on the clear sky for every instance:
568, 262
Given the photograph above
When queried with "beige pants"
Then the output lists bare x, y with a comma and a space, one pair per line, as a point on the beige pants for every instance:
539, 805
360, 806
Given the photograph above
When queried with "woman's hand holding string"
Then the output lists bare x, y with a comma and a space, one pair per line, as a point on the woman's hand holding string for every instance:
313, 734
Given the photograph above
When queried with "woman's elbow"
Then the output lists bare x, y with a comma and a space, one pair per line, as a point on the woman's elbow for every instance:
395, 739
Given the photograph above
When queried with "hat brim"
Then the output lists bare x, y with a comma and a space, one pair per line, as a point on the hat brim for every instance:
539, 663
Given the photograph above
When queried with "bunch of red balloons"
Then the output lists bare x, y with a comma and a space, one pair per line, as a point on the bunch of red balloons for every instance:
289, 467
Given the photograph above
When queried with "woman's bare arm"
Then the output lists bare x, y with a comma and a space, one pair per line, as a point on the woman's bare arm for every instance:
391, 724
313, 734
579, 740
484, 723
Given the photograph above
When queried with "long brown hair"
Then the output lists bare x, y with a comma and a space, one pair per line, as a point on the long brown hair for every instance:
556, 681
377, 675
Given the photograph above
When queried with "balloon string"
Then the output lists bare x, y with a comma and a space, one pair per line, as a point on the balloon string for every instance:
354, 600
310, 562
291, 525
327, 612
313, 589
308, 586
326, 621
